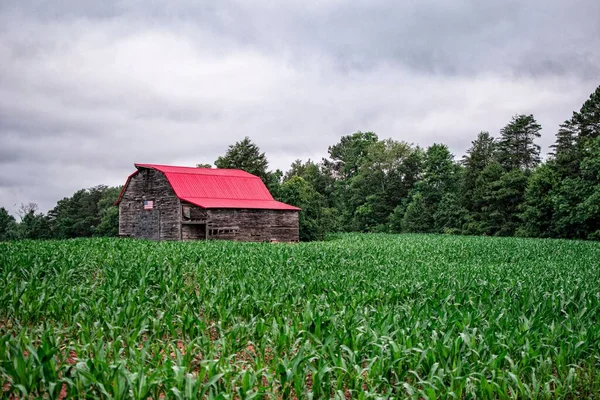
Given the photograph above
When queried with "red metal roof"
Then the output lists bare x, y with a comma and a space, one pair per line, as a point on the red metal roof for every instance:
216, 188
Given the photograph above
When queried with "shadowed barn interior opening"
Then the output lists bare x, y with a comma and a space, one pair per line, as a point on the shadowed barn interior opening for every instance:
162, 202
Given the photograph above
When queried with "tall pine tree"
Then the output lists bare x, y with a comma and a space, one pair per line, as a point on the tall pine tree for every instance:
564, 150
587, 121
577, 197
478, 157
517, 147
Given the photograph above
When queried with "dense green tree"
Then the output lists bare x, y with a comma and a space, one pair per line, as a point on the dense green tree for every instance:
450, 215
502, 199
245, 155
441, 175
396, 217
33, 225
590, 172
274, 180
478, 157
8, 225
313, 173
417, 217
587, 121
575, 137
575, 157
567, 218
109, 222
538, 207
89, 212
323, 183
495, 179
482, 222
366, 216
345, 160
297, 192
577, 199
517, 147
565, 152
348, 155
299, 168
386, 177
78, 215
108, 213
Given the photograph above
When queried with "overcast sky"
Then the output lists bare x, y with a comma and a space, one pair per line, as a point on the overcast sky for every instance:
88, 88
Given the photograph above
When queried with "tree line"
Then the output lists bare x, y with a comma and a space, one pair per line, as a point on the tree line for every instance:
88, 212
500, 187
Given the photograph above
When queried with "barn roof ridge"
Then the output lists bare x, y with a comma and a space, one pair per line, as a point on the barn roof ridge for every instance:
177, 169
231, 176
222, 198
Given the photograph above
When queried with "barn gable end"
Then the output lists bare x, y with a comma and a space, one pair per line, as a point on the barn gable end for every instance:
161, 221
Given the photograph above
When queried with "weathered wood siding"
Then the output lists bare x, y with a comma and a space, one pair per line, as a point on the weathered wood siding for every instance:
242, 225
256, 225
163, 222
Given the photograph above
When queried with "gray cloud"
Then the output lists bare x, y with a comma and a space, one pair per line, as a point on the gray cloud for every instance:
86, 89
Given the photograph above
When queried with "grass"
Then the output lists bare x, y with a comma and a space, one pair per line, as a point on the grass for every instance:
360, 316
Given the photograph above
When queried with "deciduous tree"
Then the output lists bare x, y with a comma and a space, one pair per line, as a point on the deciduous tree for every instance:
245, 155
8, 225
297, 192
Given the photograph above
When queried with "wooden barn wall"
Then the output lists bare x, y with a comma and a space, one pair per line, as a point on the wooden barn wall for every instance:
163, 222
243, 225
256, 225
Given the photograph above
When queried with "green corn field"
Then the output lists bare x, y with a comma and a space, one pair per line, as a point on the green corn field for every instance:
357, 316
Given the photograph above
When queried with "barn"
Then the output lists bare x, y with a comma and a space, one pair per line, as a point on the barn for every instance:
163, 202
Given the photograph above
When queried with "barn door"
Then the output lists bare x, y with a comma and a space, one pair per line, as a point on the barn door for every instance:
148, 225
